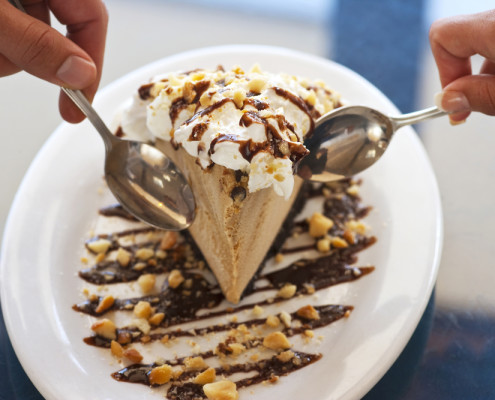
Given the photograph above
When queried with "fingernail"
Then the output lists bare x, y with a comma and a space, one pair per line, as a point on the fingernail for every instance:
452, 102
76, 72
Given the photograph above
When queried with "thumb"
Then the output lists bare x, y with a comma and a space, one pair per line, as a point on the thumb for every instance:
34, 46
468, 93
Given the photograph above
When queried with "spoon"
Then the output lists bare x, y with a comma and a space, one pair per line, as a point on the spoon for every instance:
144, 181
350, 139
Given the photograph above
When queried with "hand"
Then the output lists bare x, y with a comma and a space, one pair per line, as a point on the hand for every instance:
453, 42
27, 42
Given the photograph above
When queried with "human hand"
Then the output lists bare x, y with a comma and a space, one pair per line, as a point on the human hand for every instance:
453, 42
27, 42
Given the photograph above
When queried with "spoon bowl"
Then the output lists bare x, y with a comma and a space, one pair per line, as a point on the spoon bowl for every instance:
149, 185
144, 181
348, 140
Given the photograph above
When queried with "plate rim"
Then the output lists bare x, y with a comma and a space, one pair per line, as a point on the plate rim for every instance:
398, 345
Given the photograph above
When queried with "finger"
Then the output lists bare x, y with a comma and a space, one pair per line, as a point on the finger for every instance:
37, 9
87, 27
488, 68
40, 50
469, 93
454, 40
7, 67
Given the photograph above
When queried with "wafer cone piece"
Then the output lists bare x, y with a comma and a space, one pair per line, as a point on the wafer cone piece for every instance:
233, 228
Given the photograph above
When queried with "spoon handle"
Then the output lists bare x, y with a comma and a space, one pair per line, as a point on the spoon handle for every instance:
417, 116
87, 109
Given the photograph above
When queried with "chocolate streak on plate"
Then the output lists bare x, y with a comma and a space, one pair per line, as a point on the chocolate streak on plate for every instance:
200, 298
266, 370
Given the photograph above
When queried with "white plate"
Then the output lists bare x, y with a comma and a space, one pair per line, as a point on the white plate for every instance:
56, 206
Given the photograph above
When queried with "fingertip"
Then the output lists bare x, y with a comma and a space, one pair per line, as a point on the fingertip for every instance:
68, 110
77, 72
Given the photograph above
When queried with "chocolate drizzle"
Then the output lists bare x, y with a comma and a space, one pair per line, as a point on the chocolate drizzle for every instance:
199, 298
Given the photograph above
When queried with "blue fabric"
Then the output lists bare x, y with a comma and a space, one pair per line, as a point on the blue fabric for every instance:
382, 41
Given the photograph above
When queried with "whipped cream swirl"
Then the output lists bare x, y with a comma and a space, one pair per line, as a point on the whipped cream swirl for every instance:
252, 121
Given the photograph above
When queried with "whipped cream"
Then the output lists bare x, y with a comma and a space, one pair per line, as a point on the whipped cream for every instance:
252, 121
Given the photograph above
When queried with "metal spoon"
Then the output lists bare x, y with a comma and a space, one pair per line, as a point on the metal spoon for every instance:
144, 181
350, 139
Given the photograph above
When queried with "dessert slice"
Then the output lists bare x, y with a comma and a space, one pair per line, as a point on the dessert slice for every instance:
237, 137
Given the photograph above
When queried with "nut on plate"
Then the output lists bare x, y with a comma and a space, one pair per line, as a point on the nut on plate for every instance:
221, 390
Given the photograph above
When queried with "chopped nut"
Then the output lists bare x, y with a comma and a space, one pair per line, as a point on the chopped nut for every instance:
285, 318
272, 321
236, 348
195, 363
239, 97
310, 289
205, 377
308, 312
123, 257
221, 390
276, 341
160, 254
255, 68
156, 319
339, 243
189, 92
353, 190
139, 266
100, 257
147, 282
257, 84
286, 356
356, 226
84, 260
168, 241
287, 291
160, 375
105, 303
145, 254
105, 328
272, 379
319, 225
309, 333
279, 257
99, 246
133, 355
257, 311
142, 324
175, 278
323, 245
311, 98
293, 137
116, 349
349, 236
143, 309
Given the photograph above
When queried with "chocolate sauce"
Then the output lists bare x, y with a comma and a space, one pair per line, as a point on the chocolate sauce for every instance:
265, 370
197, 298
209, 110
301, 104
177, 106
197, 131
144, 91
116, 210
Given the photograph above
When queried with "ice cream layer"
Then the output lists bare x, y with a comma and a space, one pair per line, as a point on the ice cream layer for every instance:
252, 121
